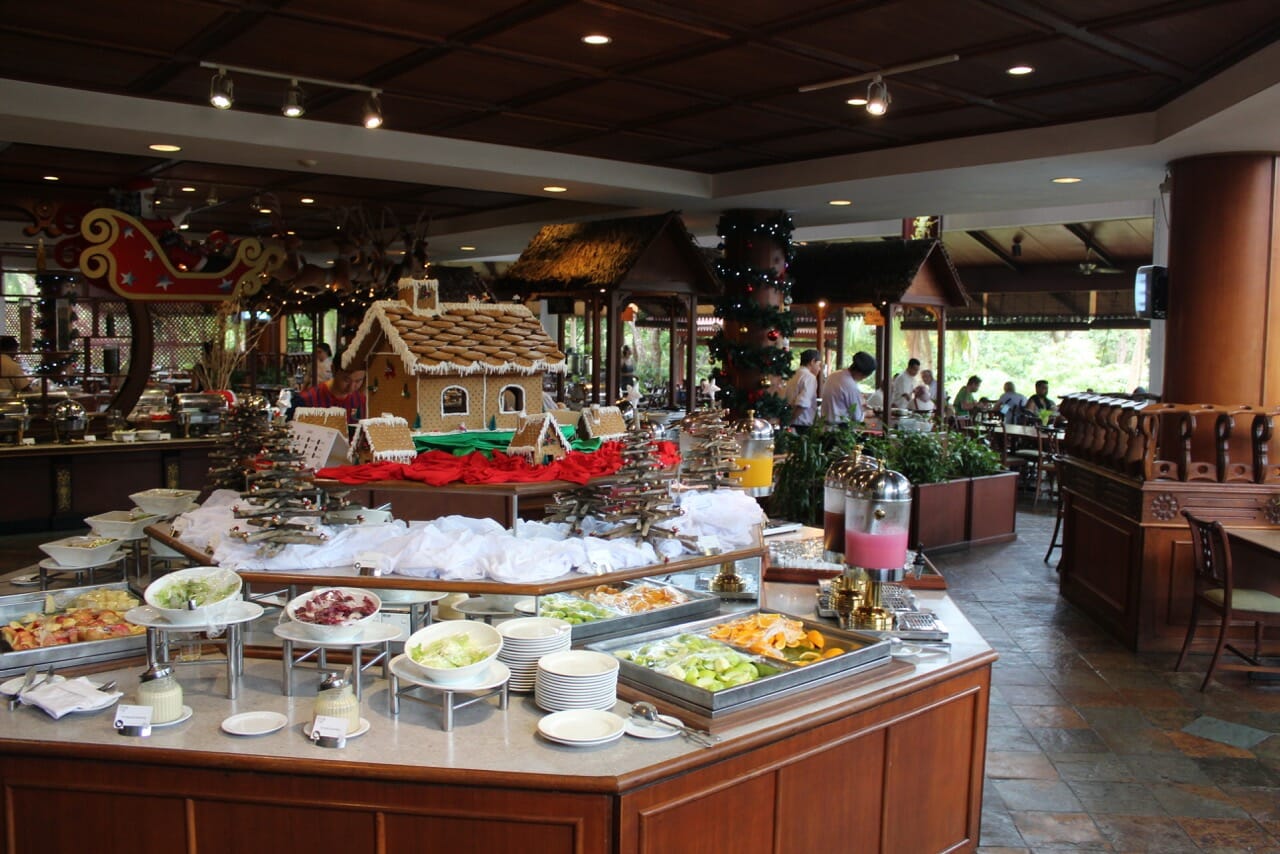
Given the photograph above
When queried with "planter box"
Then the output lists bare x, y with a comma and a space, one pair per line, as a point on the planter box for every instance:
992, 508
939, 514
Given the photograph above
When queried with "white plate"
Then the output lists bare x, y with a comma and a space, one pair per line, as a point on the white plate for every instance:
579, 664
186, 715
497, 674
29, 579
535, 631
53, 566
643, 729
481, 607
372, 633
582, 726
254, 723
908, 650
360, 730
407, 596
239, 611
525, 606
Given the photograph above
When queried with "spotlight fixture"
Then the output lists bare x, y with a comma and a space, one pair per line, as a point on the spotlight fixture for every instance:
1016, 249
878, 96
293, 101
372, 111
211, 200
222, 90
184, 226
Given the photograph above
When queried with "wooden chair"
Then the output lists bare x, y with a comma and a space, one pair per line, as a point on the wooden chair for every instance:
1215, 589
1046, 463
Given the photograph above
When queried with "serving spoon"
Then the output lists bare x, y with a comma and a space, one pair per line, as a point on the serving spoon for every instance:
649, 712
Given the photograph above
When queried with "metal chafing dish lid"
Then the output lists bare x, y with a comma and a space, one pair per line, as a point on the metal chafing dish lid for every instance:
10, 408
837, 476
754, 428
68, 410
200, 400
254, 403
878, 484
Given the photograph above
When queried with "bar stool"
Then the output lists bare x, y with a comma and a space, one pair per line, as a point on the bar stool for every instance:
1215, 589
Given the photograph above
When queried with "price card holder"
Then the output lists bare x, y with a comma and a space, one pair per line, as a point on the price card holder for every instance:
327, 731
133, 720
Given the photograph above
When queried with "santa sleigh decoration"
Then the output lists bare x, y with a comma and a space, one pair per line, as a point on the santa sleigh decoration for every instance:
127, 256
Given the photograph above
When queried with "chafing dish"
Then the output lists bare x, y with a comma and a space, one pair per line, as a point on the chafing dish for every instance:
69, 421
153, 405
40, 404
85, 652
13, 420
199, 413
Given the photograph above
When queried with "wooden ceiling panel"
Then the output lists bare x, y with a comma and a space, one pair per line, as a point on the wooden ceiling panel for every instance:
727, 123
1203, 36
752, 14
614, 102
469, 77
628, 146
1057, 62
558, 36
455, 197
1103, 98
715, 159
741, 70
37, 158
425, 20
79, 66
311, 50
961, 121
889, 34
129, 24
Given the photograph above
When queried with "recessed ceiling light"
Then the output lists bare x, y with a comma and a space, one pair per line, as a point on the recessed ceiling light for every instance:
184, 227
291, 232
596, 39
1067, 180
1019, 70
307, 200
51, 178
188, 189
467, 248
839, 202
165, 147
554, 189
264, 210
857, 102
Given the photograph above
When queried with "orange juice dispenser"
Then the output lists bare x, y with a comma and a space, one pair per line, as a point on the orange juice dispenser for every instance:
755, 455
877, 519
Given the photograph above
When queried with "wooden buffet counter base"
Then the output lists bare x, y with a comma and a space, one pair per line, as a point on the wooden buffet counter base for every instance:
892, 764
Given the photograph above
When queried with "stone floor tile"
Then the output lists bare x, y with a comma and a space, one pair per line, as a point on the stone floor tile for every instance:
1048, 828
1182, 800
1238, 772
1146, 833
1134, 680
1234, 734
1115, 660
1099, 767
1030, 695
1106, 798
1042, 795
1260, 802
1056, 742
1244, 833
1203, 748
984, 849
1060, 662
1011, 738
1079, 680
1015, 765
1062, 717
1170, 719
1114, 716
1153, 698
998, 828
1092, 697
1165, 769
1136, 740
1002, 714
1026, 674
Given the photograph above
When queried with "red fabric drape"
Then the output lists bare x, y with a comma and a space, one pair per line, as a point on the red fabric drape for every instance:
438, 468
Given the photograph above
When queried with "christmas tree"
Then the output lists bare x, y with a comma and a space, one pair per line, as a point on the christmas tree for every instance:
711, 460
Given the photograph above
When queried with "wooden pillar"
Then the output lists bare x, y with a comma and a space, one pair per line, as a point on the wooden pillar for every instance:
884, 361
940, 375
596, 375
691, 354
1222, 342
614, 332
818, 336
673, 354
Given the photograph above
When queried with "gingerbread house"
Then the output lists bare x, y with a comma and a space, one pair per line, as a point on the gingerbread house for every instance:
603, 422
452, 366
538, 439
334, 417
382, 440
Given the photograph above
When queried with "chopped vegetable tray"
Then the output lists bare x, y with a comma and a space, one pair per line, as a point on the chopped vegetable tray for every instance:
697, 604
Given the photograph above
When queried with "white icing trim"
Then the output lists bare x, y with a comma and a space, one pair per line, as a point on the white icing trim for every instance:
319, 411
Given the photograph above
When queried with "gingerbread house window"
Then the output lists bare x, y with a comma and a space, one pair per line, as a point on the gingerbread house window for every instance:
511, 399
453, 401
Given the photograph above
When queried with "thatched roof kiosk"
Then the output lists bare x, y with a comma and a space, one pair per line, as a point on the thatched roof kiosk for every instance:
875, 278
651, 261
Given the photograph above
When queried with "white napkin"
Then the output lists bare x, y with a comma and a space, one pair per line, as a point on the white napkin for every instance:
61, 696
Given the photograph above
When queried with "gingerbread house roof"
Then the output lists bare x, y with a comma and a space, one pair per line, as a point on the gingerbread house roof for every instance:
458, 338
536, 432
389, 439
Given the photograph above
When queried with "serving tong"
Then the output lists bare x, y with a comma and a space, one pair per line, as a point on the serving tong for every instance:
29, 682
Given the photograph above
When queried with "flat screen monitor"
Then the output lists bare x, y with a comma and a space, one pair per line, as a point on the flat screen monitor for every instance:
1151, 292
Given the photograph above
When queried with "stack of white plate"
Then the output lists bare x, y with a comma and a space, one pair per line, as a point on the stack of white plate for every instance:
576, 679
582, 727
527, 639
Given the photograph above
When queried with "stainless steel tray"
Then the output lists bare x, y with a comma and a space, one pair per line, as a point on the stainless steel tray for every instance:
71, 654
699, 604
863, 652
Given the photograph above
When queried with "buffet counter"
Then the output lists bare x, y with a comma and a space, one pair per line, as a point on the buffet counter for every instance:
58, 484
894, 756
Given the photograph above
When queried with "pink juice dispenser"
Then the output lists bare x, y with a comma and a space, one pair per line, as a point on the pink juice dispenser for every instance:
834, 485
877, 517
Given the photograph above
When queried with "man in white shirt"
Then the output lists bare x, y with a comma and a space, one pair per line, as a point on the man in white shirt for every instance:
802, 390
841, 397
902, 386
1011, 404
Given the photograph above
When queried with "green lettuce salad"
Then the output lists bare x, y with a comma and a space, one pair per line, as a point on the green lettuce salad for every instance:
451, 652
205, 591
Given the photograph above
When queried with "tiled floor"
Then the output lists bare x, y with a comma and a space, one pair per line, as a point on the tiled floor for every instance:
1091, 747
1096, 748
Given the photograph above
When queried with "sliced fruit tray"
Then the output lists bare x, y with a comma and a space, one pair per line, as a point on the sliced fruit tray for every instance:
631, 606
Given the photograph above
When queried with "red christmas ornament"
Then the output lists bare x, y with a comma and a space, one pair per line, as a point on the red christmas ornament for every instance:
773, 335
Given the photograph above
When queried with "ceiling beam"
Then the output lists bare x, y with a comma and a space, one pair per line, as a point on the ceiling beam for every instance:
1091, 244
1047, 278
988, 243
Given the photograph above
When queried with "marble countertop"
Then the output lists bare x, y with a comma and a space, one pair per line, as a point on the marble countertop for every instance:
485, 741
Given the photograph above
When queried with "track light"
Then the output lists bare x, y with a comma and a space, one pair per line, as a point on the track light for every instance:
293, 101
221, 90
878, 96
372, 111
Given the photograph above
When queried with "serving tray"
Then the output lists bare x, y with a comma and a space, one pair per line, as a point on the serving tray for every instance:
863, 651
698, 604
84, 652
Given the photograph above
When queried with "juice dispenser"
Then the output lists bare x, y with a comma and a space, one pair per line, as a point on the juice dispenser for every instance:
755, 455
877, 519
834, 484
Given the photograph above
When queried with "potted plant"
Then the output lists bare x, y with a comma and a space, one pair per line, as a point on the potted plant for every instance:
797, 490
993, 490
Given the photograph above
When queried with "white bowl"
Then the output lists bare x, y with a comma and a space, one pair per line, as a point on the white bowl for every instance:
124, 435
482, 636
224, 580
121, 524
165, 502
322, 632
76, 552
149, 435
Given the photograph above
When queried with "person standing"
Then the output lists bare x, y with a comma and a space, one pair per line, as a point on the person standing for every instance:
802, 391
345, 389
324, 363
900, 390
841, 398
626, 369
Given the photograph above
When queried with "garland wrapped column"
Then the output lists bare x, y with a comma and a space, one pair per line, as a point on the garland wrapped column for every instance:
756, 312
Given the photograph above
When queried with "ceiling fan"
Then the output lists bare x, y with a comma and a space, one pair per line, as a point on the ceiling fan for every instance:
1091, 265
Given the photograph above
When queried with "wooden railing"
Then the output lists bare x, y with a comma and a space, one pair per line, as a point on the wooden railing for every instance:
1174, 441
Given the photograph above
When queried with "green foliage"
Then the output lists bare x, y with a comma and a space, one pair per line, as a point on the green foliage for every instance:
934, 457
970, 457
797, 492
